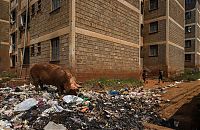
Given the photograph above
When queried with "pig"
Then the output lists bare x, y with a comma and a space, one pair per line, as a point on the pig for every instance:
50, 74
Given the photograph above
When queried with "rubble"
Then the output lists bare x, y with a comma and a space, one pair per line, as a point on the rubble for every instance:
124, 109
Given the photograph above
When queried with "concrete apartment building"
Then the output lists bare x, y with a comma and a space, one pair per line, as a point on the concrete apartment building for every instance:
4, 35
92, 38
164, 36
192, 34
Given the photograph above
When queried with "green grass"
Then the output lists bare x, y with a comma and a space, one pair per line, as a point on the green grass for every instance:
111, 84
6, 76
188, 76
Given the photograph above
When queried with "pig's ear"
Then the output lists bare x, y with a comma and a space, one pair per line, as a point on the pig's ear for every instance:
78, 86
73, 86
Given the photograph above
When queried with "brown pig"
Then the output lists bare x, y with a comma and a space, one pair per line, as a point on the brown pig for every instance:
50, 74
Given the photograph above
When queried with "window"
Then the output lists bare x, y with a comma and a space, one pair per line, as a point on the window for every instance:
188, 57
154, 27
55, 4
39, 49
23, 18
142, 29
188, 44
188, 1
188, 29
13, 41
55, 49
188, 15
153, 50
32, 50
153, 4
141, 52
13, 17
13, 60
39, 5
142, 7
33, 9
26, 59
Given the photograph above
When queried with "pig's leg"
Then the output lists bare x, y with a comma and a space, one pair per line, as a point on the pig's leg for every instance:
60, 89
35, 83
41, 85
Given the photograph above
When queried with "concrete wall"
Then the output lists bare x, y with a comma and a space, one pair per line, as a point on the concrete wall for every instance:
176, 37
153, 64
176, 60
195, 34
4, 10
169, 38
190, 64
47, 21
161, 11
105, 37
97, 58
4, 35
108, 17
98, 55
160, 36
4, 57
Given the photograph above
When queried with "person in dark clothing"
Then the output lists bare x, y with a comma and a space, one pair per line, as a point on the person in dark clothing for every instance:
160, 78
144, 75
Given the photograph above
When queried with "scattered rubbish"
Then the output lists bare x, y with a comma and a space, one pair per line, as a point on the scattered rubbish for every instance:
114, 92
5, 124
25, 105
72, 99
23, 108
53, 126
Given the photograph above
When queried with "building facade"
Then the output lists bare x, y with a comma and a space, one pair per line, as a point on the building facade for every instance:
164, 36
192, 34
4, 35
92, 38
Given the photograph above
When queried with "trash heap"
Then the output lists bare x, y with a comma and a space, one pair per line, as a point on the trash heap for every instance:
24, 108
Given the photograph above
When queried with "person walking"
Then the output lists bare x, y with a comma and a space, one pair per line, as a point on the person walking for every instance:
144, 75
160, 78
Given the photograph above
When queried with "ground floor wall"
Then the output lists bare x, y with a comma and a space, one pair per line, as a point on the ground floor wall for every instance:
170, 59
4, 57
45, 55
176, 60
190, 63
153, 63
194, 63
94, 58
98, 58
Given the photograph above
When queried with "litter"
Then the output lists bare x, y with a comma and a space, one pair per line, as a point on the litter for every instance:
73, 99
53, 126
25, 105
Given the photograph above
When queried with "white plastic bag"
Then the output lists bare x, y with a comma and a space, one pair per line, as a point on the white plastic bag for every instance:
72, 99
25, 105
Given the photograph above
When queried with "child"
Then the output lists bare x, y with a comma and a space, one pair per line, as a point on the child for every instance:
144, 75
160, 78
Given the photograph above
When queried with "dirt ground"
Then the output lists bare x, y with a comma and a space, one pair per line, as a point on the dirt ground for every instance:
175, 97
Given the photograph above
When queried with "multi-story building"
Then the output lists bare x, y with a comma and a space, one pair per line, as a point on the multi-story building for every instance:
4, 35
164, 36
92, 38
192, 34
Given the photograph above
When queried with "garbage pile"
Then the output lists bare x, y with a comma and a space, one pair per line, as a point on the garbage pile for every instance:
23, 108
